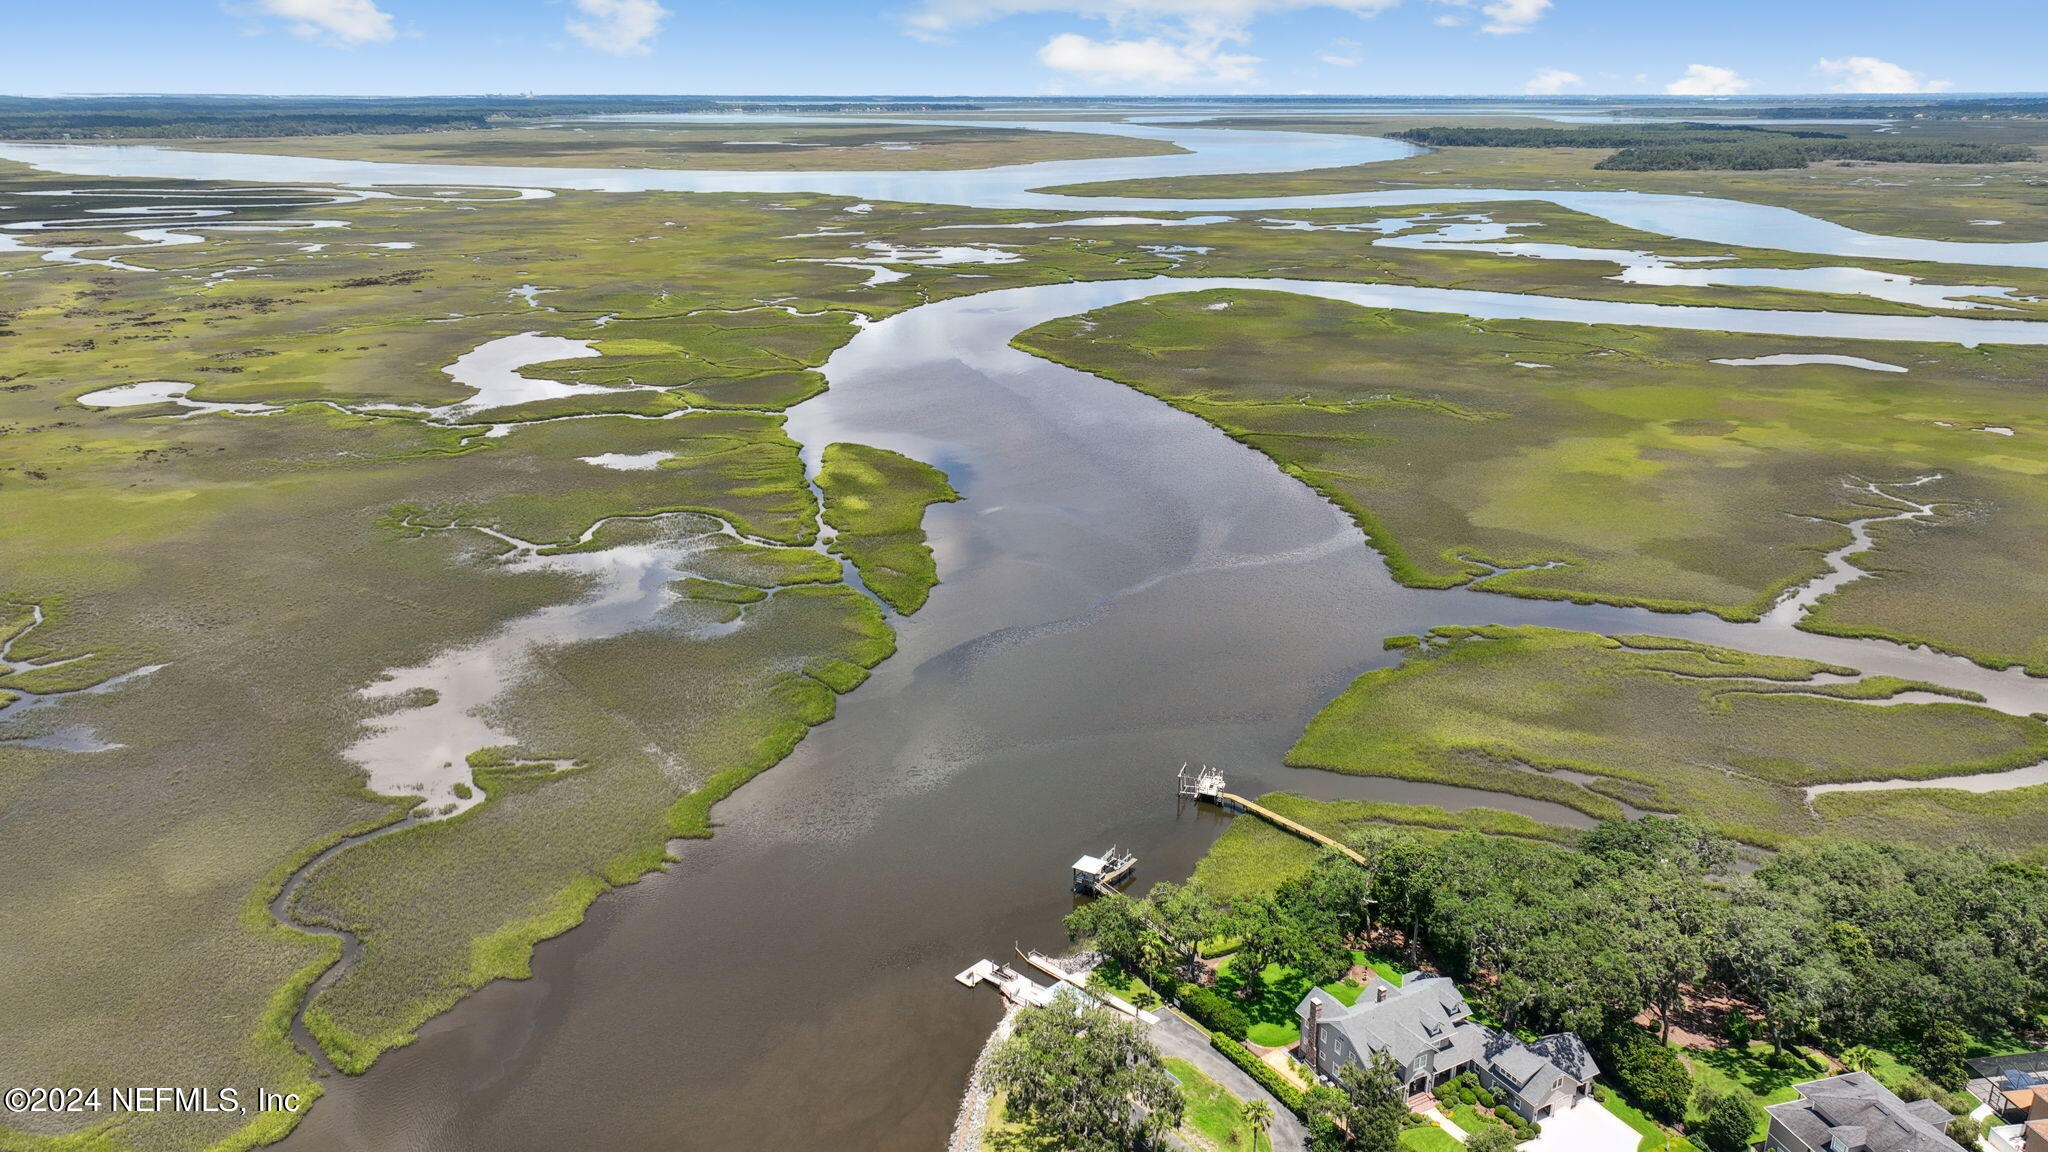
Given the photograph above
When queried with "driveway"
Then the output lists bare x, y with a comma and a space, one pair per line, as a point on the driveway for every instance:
1585, 1127
1182, 1040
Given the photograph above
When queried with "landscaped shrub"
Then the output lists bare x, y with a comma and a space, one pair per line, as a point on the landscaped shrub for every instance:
1287, 1094
1727, 1123
1483, 1098
1918, 1087
1215, 1011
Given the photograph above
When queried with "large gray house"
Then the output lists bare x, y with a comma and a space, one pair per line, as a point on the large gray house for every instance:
1425, 1025
1854, 1113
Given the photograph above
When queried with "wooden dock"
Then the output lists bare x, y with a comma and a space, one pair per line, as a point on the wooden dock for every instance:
1205, 785
1230, 800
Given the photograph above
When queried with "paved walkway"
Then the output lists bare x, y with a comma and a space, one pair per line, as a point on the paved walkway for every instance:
1182, 1040
1449, 1126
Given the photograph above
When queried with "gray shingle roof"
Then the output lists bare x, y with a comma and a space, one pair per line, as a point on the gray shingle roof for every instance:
1427, 1014
1418, 1016
1865, 1115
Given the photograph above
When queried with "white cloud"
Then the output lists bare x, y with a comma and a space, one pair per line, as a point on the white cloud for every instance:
1506, 17
342, 21
1707, 80
1503, 17
1343, 53
620, 27
1152, 62
1869, 74
1551, 81
1165, 42
1187, 19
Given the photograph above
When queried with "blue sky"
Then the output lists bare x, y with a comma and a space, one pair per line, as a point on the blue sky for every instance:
1024, 47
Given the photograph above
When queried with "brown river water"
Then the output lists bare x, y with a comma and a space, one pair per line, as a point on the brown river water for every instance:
1125, 589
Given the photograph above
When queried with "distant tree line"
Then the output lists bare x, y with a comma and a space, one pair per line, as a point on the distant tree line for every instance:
1763, 154
1731, 147
1837, 943
1984, 108
1599, 136
188, 117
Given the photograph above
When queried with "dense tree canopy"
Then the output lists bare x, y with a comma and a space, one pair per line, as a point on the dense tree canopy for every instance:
1688, 146
172, 117
1085, 1078
1841, 942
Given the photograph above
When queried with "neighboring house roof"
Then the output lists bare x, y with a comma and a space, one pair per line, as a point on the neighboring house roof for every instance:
1863, 1116
1568, 1053
1538, 1071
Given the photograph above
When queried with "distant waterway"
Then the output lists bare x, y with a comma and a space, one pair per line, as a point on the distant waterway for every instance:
1209, 151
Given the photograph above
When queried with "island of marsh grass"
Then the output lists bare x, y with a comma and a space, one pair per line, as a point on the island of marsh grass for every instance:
875, 500
1603, 724
724, 709
1626, 460
741, 146
1373, 245
1937, 201
266, 563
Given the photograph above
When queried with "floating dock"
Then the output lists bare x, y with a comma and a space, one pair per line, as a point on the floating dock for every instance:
1015, 986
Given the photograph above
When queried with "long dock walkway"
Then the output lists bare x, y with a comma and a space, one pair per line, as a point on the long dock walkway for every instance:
1299, 829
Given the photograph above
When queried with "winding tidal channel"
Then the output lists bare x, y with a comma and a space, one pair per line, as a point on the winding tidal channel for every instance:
1125, 588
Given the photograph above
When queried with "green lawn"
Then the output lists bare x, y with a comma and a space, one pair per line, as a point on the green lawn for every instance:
1380, 964
1213, 1113
1274, 1024
1429, 1138
1654, 1136
1111, 977
1745, 1071
1346, 992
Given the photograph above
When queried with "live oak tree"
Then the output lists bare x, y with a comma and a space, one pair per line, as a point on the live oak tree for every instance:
1085, 1079
1117, 926
1366, 1112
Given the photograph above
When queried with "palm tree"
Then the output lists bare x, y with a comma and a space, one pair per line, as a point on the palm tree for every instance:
1259, 1115
1861, 1058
